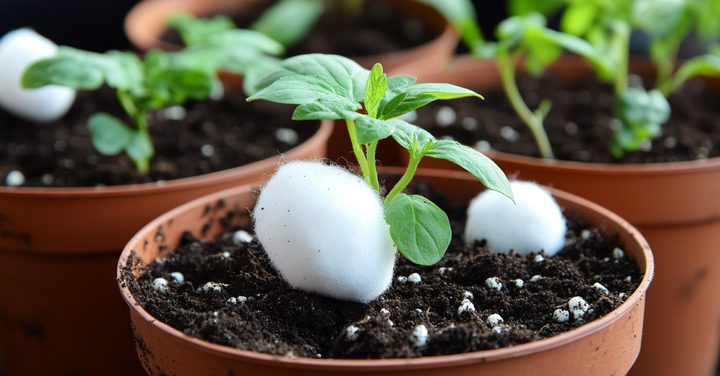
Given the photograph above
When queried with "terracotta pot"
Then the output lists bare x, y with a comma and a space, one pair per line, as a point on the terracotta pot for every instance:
145, 24
60, 313
675, 205
603, 347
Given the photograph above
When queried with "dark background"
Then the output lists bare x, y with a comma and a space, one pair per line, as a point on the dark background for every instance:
97, 25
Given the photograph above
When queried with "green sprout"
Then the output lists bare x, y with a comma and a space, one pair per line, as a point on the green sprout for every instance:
607, 24
161, 79
528, 39
331, 87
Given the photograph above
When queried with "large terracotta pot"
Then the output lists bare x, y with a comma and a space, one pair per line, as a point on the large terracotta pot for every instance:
676, 206
60, 313
145, 24
607, 346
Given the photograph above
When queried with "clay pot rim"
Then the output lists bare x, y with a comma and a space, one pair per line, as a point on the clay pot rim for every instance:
637, 169
338, 365
322, 134
135, 18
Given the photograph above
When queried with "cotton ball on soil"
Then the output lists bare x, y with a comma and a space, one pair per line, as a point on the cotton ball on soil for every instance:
18, 50
324, 230
535, 223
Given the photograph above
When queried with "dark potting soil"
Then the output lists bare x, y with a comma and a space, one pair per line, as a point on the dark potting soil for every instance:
208, 136
277, 319
381, 27
580, 122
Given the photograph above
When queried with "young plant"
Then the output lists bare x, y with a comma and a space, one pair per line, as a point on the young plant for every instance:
333, 87
161, 79
607, 25
528, 39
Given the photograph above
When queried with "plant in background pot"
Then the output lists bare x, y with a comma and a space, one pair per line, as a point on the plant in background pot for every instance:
291, 19
53, 231
351, 28
666, 188
345, 249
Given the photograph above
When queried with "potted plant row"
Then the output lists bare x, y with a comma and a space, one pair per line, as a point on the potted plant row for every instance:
671, 199
329, 237
57, 232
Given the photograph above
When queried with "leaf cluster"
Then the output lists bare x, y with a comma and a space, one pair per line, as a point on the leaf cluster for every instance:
333, 87
606, 26
246, 52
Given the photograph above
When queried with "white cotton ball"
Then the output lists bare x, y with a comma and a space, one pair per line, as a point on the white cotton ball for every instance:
534, 224
18, 49
324, 230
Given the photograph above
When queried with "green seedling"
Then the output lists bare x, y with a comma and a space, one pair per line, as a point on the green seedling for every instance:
161, 79
528, 39
333, 87
607, 25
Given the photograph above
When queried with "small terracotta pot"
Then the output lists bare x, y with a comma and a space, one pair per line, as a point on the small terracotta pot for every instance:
145, 24
675, 205
607, 346
60, 313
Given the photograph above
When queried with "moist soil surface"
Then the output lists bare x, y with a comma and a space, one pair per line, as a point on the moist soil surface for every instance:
199, 138
269, 316
380, 27
579, 124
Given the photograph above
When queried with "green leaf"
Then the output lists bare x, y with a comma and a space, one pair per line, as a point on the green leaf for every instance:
662, 18
194, 31
172, 79
324, 109
704, 65
86, 70
410, 136
289, 21
405, 105
546, 7
474, 162
441, 91
641, 115
421, 231
375, 90
140, 150
345, 72
578, 18
301, 89
398, 84
110, 136
369, 129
